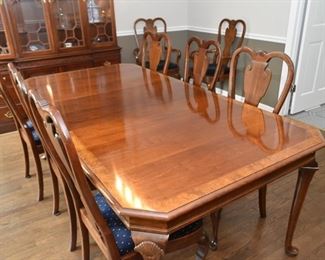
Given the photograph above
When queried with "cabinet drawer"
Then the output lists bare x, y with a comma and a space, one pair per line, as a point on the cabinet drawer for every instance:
7, 123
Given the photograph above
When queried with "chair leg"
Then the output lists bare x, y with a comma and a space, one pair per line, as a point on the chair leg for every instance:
26, 156
203, 248
215, 220
72, 215
84, 240
55, 187
262, 201
39, 173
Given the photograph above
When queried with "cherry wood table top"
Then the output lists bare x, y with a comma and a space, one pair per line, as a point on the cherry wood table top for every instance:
165, 151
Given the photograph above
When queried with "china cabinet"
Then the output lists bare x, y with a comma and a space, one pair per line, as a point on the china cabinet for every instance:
48, 36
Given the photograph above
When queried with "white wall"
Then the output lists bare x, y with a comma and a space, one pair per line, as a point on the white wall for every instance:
127, 11
265, 19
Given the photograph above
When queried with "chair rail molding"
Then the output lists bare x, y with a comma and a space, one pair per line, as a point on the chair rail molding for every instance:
160, 29
253, 36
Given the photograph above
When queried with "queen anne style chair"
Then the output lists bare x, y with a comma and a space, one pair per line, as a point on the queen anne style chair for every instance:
27, 133
229, 44
93, 212
153, 46
257, 79
56, 174
197, 61
141, 26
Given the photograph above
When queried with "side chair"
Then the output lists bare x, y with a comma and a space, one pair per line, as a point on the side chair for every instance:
229, 43
94, 214
57, 175
257, 79
197, 61
27, 133
153, 51
143, 25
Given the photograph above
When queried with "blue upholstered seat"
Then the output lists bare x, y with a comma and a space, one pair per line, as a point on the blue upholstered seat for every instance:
161, 64
35, 135
212, 68
122, 235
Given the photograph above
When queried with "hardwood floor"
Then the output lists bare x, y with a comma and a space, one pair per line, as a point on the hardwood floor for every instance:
28, 230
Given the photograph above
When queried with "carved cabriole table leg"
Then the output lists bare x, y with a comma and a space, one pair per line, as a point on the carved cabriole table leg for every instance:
150, 246
305, 176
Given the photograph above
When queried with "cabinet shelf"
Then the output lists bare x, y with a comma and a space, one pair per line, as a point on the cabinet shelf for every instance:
59, 44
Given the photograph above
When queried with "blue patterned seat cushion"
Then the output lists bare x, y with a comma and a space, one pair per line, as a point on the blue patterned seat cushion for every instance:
35, 135
212, 68
161, 64
122, 235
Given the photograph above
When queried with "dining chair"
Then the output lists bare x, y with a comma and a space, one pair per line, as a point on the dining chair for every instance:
143, 25
22, 95
197, 60
257, 79
27, 133
156, 47
229, 44
93, 211
57, 175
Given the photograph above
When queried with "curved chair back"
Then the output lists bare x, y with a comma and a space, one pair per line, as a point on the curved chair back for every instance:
153, 49
147, 25
197, 60
229, 42
64, 154
257, 76
20, 87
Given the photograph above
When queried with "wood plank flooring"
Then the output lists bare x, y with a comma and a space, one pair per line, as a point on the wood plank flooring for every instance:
28, 230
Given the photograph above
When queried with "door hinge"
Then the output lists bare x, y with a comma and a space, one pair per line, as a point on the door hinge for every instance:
293, 88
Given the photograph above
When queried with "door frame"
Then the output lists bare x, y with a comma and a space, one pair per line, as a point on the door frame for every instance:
292, 45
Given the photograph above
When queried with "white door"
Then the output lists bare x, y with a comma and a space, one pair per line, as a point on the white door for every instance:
310, 73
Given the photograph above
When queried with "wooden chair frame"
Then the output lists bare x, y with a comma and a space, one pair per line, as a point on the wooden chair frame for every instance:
150, 25
153, 48
200, 59
229, 41
257, 78
25, 132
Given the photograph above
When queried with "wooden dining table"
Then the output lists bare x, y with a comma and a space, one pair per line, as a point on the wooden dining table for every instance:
165, 153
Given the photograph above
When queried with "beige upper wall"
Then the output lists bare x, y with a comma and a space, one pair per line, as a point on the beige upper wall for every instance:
127, 11
265, 19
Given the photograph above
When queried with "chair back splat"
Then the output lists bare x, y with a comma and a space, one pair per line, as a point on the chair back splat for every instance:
140, 27
197, 61
153, 51
257, 76
234, 34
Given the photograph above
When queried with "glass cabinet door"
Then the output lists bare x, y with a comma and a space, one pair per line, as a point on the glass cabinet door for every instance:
31, 25
68, 26
101, 22
6, 46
